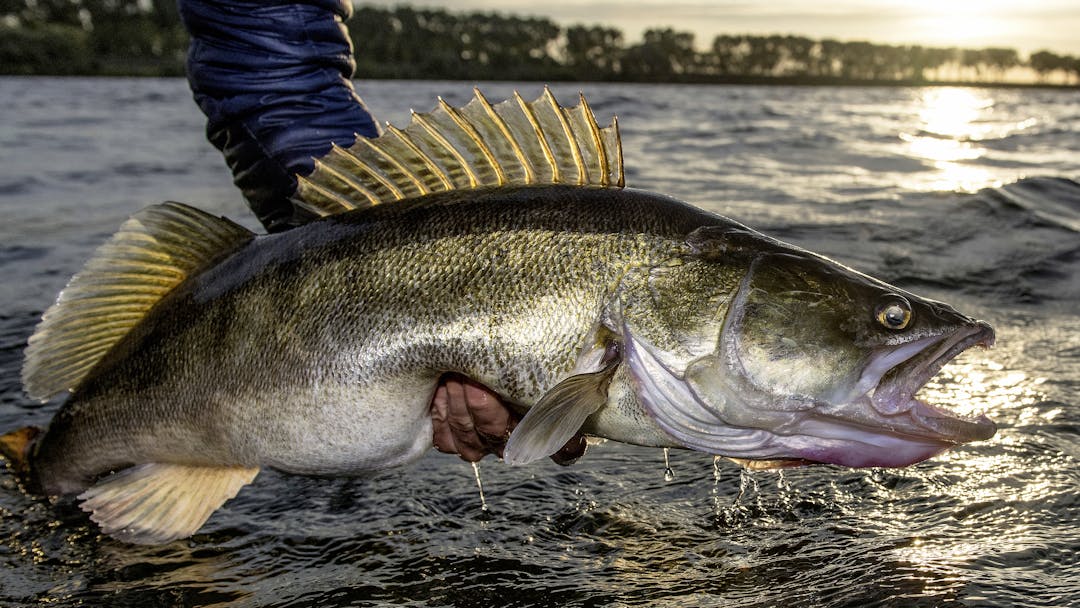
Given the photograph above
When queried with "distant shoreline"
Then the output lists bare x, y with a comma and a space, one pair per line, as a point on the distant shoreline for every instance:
408, 43
749, 81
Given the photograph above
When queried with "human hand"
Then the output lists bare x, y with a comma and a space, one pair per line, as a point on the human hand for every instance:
470, 421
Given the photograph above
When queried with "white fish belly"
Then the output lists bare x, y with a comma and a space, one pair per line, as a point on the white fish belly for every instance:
348, 431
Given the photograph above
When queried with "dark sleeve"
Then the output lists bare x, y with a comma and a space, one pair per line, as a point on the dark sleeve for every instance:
273, 78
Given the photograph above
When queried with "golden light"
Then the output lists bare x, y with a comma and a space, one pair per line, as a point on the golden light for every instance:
951, 123
955, 112
958, 22
970, 386
982, 485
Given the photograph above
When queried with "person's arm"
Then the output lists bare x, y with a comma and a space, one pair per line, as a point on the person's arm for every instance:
273, 78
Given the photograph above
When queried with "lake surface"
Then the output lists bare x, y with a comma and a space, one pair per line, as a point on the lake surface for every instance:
964, 195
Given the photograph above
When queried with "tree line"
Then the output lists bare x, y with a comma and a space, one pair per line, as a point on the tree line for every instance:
145, 37
92, 37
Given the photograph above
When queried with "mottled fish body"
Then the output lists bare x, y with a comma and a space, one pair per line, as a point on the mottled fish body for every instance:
317, 350
197, 353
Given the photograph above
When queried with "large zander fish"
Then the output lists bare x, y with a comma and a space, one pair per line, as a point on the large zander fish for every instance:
496, 242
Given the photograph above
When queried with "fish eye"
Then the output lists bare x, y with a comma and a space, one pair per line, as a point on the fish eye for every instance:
894, 313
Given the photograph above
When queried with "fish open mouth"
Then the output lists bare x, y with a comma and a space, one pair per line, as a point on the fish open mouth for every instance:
896, 390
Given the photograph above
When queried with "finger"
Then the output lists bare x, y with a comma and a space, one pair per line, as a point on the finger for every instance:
443, 437
468, 443
569, 453
494, 421
489, 415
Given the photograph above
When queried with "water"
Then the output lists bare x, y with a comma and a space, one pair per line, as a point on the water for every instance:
960, 194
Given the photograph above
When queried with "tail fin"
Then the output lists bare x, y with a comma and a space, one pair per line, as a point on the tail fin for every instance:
16, 446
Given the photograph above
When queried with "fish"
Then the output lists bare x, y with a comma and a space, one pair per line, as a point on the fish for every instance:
497, 242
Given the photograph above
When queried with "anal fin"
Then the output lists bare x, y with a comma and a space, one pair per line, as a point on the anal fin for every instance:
155, 503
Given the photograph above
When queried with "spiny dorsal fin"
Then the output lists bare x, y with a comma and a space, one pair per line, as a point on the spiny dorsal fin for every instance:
153, 252
513, 143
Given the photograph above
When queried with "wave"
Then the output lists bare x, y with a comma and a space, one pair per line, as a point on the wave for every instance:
1034, 201
1016, 243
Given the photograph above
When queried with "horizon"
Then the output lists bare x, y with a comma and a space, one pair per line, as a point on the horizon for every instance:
1038, 25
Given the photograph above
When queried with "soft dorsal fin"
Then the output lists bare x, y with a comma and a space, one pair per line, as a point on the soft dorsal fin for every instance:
153, 252
513, 143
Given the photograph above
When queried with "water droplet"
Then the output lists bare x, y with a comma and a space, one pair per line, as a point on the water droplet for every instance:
669, 475
747, 481
784, 493
479, 486
718, 506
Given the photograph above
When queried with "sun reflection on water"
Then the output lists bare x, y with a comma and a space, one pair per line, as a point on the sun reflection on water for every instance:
974, 385
969, 386
980, 482
955, 112
950, 126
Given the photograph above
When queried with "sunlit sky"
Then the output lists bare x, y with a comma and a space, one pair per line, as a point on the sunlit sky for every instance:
1025, 25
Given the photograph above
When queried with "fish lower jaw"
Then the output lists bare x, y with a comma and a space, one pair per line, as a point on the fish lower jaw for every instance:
899, 394
952, 426
896, 457
908, 403
869, 442
933, 421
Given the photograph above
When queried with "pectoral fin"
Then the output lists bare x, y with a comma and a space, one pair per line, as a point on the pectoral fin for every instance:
155, 503
559, 414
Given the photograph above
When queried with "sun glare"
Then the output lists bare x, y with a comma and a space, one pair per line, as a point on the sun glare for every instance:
954, 112
951, 123
957, 22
